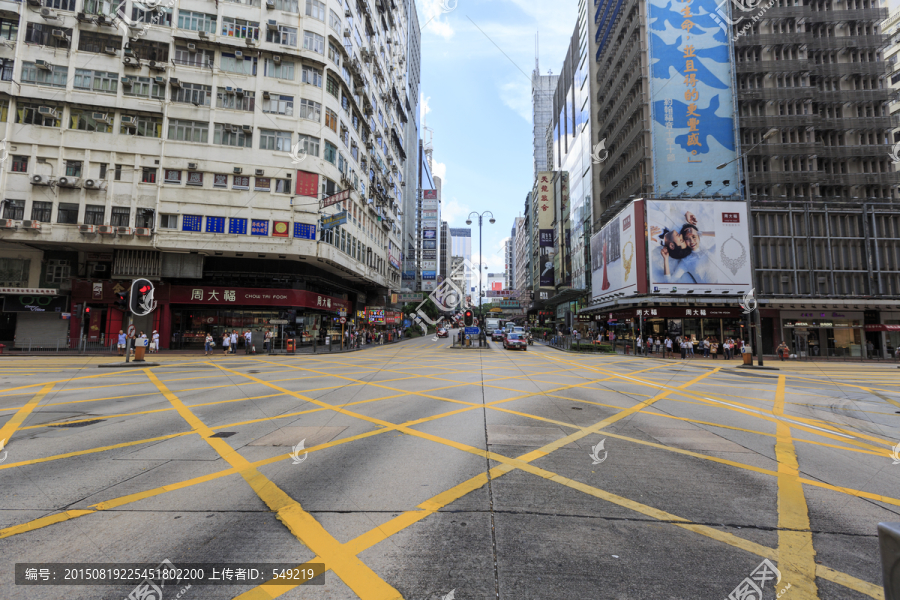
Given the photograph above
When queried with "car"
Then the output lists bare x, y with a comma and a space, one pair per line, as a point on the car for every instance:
497, 335
443, 333
515, 341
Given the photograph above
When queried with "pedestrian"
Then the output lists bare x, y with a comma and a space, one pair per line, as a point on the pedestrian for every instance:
209, 344
154, 342
234, 341
121, 343
668, 349
683, 346
267, 340
782, 350
870, 349
714, 350
248, 338
226, 343
638, 342
690, 348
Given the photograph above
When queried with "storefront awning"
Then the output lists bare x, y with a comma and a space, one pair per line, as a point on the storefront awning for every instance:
882, 327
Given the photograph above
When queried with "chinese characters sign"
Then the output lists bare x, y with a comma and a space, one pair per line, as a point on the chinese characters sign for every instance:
280, 229
259, 227
544, 214
215, 224
693, 121
224, 295
304, 231
191, 222
238, 226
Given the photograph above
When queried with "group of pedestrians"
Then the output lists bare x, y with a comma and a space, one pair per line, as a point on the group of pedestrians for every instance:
357, 338
152, 343
686, 347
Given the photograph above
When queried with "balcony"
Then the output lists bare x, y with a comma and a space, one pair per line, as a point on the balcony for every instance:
785, 12
876, 123
853, 68
790, 93
777, 149
769, 39
859, 178
849, 96
871, 150
849, 41
779, 121
860, 15
773, 177
773, 66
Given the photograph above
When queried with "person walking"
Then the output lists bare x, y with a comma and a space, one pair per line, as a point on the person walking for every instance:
267, 340
234, 341
123, 340
638, 343
154, 342
248, 338
781, 350
690, 348
226, 343
208, 345
668, 348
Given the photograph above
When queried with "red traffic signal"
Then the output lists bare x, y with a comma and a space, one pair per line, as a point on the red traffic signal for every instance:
468, 318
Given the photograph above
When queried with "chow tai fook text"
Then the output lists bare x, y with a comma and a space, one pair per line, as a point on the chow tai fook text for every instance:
256, 297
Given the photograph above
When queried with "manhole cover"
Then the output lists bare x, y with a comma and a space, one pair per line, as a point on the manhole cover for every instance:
78, 424
223, 434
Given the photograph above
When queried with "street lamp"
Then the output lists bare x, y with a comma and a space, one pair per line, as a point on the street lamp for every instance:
480, 253
758, 321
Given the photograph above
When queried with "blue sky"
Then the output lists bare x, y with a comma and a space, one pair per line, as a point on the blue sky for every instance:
478, 103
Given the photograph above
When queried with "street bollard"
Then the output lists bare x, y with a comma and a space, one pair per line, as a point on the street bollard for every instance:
889, 541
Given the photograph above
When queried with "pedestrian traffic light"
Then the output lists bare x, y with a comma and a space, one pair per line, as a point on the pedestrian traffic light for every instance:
140, 299
468, 318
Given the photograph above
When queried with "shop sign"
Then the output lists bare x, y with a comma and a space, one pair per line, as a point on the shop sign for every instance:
680, 311
29, 291
97, 290
221, 295
339, 197
410, 297
334, 220
375, 316
36, 303
361, 314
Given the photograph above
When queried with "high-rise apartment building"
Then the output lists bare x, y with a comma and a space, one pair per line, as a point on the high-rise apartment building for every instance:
218, 150
509, 261
411, 134
542, 88
522, 261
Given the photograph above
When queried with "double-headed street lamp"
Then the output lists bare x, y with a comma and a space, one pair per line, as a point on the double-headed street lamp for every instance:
480, 253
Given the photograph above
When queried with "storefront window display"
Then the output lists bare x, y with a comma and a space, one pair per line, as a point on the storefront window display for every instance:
823, 334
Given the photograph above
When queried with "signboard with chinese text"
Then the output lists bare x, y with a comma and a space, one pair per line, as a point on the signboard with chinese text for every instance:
225, 295
339, 197
237, 226
307, 184
334, 220
429, 194
259, 227
545, 210
191, 222
375, 316
304, 231
215, 224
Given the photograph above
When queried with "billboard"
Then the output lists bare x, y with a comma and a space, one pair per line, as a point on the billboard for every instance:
692, 109
429, 194
429, 234
618, 254
545, 211
696, 245
429, 275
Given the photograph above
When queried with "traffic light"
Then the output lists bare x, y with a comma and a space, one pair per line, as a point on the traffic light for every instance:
87, 312
140, 299
468, 318
121, 301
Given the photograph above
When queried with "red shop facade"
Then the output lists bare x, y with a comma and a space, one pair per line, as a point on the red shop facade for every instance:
185, 314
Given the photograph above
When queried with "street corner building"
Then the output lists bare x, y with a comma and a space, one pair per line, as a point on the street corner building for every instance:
249, 158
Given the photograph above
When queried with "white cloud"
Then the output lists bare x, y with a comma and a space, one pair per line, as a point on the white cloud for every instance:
439, 169
516, 95
433, 15
454, 212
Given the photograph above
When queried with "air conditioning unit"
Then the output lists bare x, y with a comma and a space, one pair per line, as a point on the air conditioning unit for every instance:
202, 35
87, 229
191, 46
270, 3
238, 54
249, 41
101, 117
247, 128
125, 230
239, 91
48, 13
127, 82
238, 170
229, 90
70, 182
110, 50
234, 128
129, 122
272, 25
102, 20
41, 180
81, 17
160, 80
107, 230
260, 172
174, 83
7, 224
59, 34
347, 32
192, 166
131, 62
276, 59
266, 95
47, 111
43, 64
93, 184
158, 66
32, 225
143, 232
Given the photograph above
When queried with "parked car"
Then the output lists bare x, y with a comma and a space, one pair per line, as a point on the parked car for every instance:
443, 333
515, 341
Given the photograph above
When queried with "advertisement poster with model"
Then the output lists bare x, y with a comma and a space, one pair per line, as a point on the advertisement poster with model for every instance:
618, 254
696, 246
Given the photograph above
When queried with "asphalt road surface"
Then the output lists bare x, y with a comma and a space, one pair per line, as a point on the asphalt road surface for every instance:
429, 473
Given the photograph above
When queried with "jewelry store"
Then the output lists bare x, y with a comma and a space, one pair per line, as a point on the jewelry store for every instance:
823, 333
718, 323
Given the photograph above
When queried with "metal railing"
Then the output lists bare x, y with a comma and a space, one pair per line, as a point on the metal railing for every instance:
58, 345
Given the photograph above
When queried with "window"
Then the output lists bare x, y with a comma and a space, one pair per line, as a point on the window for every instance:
95, 42
247, 2
117, 174
60, 4
240, 183
286, 36
313, 41
263, 184
57, 270
330, 152
54, 76
312, 76
331, 119
274, 140
309, 144
84, 120
227, 134
144, 218
102, 7
14, 209
94, 213
148, 175
73, 168
199, 57
160, 15
226, 99
188, 131
20, 164
194, 178
291, 6
193, 93
310, 110
9, 29
67, 213
168, 221
120, 217
194, 21
141, 125
144, 87
98, 81
315, 9
334, 54
41, 34
240, 28
172, 176
103, 167
279, 105
241, 66
332, 86
220, 181
147, 50
6, 72
283, 186
284, 70
334, 20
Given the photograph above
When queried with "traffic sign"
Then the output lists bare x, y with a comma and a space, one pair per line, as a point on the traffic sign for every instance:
131, 331
278, 321
468, 337
472, 330
343, 320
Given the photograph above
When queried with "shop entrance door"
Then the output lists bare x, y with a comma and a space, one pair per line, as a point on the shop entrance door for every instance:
801, 343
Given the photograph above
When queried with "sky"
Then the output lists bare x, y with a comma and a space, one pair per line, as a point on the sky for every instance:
477, 60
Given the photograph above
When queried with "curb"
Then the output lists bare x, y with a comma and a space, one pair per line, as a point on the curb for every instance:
129, 365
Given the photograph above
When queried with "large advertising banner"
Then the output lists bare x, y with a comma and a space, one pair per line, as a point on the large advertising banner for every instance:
545, 208
698, 245
618, 254
691, 99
